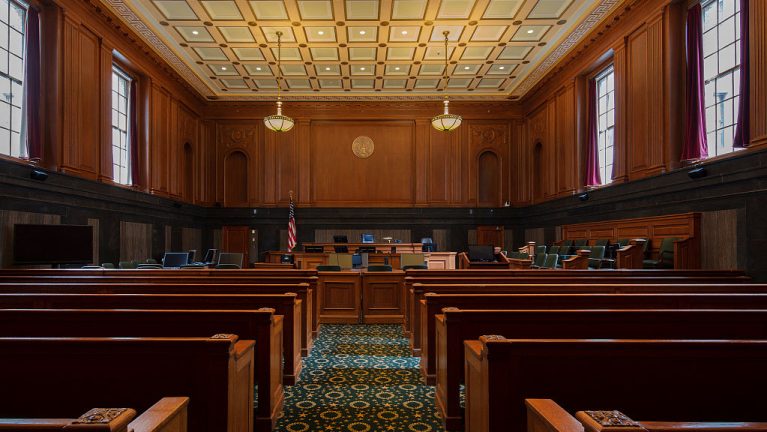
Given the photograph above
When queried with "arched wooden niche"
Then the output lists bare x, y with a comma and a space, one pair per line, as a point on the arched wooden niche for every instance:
236, 179
188, 178
537, 174
489, 184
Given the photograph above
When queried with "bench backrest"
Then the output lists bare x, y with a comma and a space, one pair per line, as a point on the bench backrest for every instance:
66, 375
671, 380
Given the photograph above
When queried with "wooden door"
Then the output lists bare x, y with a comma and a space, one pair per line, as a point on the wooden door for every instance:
235, 240
490, 235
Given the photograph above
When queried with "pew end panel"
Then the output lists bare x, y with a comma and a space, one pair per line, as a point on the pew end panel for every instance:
167, 415
543, 415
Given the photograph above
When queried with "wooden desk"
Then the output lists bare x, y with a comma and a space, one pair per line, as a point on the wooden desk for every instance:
361, 297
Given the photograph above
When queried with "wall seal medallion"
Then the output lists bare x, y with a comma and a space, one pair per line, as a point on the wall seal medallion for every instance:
363, 147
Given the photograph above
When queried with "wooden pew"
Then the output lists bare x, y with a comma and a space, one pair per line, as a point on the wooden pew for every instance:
169, 414
57, 376
262, 326
182, 286
416, 288
547, 415
455, 326
188, 277
670, 379
433, 304
500, 276
287, 305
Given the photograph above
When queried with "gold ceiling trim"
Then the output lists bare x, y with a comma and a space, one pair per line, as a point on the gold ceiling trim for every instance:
511, 87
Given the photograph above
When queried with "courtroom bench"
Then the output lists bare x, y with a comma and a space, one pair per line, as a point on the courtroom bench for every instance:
167, 415
189, 276
667, 379
287, 305
261, 326
57, 376
416, 288
547, 415
433, 304
169, 286
455, 326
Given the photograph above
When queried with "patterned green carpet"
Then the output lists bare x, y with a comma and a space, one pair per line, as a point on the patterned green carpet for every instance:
360, 378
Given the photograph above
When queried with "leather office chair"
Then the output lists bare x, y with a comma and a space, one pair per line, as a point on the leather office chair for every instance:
380, 268
328, 268
665, 255
551, 261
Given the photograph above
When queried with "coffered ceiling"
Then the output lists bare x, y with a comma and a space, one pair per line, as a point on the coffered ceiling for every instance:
362, 48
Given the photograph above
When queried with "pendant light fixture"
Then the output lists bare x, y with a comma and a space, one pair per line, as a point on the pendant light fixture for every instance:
446, 122
279, 122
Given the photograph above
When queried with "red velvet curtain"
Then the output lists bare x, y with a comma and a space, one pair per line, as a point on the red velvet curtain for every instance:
695, 146
742, 128
135, 160
593, 177
32, 86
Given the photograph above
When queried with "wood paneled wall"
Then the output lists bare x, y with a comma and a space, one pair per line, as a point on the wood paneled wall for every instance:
412, 164
135, 241
81, 41
644, 40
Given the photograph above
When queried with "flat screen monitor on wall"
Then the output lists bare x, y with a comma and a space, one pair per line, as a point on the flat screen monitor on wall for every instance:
52, 244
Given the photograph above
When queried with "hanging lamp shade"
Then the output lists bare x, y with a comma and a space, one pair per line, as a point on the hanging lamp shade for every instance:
446, 122
279, 122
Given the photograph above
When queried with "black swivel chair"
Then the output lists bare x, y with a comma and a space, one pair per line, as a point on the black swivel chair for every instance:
341, 239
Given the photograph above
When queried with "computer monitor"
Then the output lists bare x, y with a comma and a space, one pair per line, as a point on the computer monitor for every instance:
481, 253
340, 239
210, 256
314, 249
286, 259
175, 259
367, 238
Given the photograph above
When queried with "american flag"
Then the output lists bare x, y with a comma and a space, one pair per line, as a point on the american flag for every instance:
291, 226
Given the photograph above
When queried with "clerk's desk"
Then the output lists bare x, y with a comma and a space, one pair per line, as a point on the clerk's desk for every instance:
310, 260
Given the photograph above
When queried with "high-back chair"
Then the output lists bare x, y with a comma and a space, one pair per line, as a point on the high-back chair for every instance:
551, 261
540, 259
596, 257
665, 255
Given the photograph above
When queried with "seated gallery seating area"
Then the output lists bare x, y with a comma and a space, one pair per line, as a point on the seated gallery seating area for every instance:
383, 215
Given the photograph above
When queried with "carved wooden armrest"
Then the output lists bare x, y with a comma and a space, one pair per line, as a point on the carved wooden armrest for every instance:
104, 419
607, 421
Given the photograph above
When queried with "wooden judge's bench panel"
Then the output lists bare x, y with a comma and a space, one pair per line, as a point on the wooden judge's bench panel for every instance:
656, 228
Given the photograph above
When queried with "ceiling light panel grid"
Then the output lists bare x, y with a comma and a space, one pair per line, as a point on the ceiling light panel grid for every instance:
362, 46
